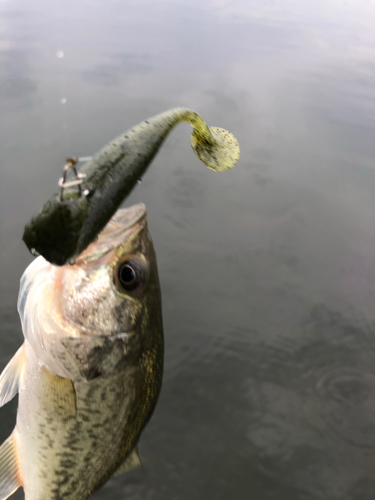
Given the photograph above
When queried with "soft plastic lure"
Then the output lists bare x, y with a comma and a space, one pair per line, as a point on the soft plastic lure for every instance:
70, 220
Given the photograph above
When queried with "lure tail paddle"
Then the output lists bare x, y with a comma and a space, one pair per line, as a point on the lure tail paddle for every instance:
70, 220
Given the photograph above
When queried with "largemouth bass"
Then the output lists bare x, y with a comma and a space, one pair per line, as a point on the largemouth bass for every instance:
90, 369
72, 217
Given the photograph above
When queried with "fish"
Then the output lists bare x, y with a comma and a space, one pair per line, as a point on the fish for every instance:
89, 372
72, 218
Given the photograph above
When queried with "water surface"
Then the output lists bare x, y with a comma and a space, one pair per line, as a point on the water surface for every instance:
267, 271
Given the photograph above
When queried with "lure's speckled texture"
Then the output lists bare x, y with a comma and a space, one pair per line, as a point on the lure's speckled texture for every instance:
65, 227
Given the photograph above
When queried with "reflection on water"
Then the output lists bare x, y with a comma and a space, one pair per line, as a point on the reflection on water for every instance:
267, 271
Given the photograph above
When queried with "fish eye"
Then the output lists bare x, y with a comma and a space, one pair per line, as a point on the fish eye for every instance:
130, 275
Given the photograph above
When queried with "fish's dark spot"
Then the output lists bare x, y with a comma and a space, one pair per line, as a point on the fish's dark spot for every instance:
68, 464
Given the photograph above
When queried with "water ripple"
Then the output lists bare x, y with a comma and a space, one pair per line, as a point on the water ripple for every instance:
343, 404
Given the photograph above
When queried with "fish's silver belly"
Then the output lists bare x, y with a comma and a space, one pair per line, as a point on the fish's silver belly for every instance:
63, 455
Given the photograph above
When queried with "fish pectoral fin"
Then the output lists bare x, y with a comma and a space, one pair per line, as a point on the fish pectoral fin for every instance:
9, 472
10, 378
58, 395
132, 461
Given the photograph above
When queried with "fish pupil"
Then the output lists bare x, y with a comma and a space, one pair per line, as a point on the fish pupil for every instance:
127, 274
130, 275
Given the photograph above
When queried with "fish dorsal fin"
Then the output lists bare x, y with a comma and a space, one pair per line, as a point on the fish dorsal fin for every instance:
9, 472
132, 461
58, 395
10, 378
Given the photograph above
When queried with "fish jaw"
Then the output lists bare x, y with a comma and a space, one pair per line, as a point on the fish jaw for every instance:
124, 225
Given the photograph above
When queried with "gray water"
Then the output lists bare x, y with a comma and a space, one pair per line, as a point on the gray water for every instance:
267, 271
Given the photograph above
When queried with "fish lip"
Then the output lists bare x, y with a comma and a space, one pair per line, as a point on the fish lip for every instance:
123, 224
131, 214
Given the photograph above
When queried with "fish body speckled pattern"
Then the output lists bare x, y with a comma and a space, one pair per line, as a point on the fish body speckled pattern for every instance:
89, 372
68, 223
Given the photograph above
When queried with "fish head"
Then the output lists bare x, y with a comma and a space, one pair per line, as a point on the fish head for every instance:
86, 319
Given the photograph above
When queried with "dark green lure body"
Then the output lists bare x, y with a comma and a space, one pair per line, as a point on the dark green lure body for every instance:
71, 220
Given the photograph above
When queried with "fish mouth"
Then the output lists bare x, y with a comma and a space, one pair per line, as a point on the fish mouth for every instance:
124, 223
